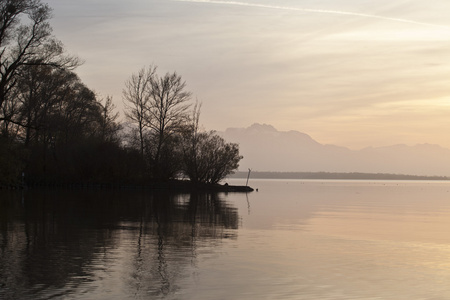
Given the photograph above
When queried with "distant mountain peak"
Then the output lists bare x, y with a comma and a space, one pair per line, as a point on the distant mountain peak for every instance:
262, 127
266, 148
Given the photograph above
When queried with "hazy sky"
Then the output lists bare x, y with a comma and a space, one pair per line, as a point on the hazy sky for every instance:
354, 73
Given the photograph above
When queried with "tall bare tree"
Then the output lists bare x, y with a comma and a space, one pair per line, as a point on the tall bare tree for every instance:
136, 98
168, 111
26, 39
159, 106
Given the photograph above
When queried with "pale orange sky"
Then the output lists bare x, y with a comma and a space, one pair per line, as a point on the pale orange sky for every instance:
353, 73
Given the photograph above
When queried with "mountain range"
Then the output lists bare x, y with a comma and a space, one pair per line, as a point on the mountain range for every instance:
266, 149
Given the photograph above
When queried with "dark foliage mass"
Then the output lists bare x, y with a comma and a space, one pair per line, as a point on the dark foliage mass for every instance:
54, 130
206, 156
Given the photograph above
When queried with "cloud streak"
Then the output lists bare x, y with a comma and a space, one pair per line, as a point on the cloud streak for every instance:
318, 11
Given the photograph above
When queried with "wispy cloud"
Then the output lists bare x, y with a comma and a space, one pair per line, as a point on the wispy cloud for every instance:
320, 11
348, 72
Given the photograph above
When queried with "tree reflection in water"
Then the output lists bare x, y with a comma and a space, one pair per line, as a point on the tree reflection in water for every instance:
57, 243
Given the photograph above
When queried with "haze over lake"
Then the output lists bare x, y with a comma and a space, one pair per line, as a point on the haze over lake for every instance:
267, 149
292, 239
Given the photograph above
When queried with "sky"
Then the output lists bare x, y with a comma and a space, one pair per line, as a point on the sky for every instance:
353, 73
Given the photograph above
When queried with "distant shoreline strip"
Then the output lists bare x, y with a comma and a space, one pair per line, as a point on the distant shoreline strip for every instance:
332, 175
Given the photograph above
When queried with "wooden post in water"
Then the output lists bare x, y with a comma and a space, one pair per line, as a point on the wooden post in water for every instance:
248, 176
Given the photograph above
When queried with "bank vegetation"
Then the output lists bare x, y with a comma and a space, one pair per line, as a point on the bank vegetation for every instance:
54, 130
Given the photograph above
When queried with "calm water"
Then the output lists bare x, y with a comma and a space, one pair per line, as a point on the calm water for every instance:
291, 240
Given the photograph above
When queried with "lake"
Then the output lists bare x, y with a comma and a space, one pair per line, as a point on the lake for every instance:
293, 239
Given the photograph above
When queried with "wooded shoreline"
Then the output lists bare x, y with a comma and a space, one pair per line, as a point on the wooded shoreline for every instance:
54, 130
172, 185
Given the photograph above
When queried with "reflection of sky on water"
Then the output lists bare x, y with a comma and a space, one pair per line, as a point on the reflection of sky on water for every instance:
65, 243
345, 240
309, 239
342, 206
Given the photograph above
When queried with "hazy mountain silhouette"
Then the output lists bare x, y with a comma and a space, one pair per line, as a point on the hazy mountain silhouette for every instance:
266, 149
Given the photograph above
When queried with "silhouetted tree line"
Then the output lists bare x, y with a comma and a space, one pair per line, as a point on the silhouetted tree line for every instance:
55, 130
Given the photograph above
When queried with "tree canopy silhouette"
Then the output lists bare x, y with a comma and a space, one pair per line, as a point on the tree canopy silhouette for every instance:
26, 40
168, 134
56, 130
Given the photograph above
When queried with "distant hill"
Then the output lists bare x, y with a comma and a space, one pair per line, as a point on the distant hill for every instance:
266, 149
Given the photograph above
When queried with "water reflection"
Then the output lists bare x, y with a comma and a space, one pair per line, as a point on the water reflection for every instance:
57, 243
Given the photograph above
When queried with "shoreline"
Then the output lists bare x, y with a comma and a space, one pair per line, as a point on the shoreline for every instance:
173, 185
333, 175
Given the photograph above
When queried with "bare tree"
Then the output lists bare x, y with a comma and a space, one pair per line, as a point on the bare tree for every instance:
109, 128
190, 146
211, 158
168, 112
136, 98
26, 39
10, 112
40, 92
207, 158
159, 107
